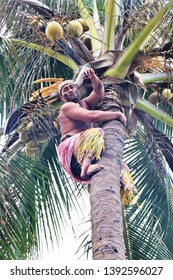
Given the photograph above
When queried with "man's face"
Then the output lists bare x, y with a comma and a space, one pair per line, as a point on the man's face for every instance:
70, 93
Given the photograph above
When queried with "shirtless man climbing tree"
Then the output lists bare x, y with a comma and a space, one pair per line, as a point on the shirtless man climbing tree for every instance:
81, 144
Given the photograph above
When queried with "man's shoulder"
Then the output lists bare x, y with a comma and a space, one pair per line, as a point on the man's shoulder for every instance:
67, 105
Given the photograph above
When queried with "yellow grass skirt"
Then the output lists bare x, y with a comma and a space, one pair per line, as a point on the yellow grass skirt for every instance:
90, 142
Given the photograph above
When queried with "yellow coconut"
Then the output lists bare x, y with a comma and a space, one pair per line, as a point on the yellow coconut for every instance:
166, 93
23, 136
21, 128
84, 24
148, 2
54, 31
157, 6
153, 98
29, 126
32, 145
74, 28
30, 153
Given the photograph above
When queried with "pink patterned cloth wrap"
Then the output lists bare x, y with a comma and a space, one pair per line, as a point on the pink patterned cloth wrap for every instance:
65, 151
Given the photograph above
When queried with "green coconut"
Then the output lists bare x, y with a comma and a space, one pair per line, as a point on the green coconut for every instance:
54, 31
154, 98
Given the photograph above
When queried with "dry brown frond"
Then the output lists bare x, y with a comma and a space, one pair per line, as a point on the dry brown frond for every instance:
46, 91
155, 65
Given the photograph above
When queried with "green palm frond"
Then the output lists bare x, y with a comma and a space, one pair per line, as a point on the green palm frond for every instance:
39, 195
8, 57
120, 69
48, 51
154, 184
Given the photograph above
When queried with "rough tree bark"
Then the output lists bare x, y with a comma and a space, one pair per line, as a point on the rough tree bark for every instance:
106, 208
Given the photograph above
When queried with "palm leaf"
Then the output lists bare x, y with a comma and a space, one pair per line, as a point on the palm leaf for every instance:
120, 69
48, 51
44, 200
96, 43
154, 185
41, 8
111, 10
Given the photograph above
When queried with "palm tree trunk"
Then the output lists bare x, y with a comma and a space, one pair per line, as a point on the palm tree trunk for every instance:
106, 209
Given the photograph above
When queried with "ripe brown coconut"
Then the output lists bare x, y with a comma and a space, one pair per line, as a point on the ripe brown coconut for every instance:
54, 31
86, 39
74, 28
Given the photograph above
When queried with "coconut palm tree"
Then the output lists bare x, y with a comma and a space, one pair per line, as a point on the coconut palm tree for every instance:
129, 46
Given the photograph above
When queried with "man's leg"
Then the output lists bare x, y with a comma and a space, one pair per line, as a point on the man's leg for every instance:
87, 167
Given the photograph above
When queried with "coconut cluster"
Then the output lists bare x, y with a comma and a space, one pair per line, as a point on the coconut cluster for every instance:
166, 95
32, 135
74, 28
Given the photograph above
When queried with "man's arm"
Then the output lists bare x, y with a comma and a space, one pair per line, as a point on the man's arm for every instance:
98, 89
74, 112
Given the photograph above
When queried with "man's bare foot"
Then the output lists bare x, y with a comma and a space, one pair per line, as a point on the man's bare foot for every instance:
89, 170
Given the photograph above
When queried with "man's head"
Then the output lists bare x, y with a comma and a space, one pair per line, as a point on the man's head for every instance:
68, 91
